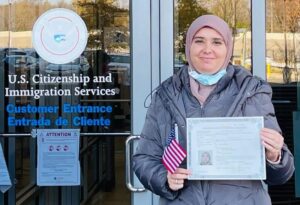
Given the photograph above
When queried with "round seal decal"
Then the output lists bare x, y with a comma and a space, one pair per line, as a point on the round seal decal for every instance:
59, 36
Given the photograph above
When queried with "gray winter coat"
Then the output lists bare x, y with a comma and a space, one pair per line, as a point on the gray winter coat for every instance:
238, 93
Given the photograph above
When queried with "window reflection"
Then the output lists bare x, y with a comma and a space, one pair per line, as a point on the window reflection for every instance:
235, 12
283, 40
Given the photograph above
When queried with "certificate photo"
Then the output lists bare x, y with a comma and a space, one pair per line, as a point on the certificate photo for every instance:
225, 148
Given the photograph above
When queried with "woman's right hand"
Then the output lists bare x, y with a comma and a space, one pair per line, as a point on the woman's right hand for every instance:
176, 180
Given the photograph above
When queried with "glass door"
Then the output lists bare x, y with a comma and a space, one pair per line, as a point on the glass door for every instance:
106, 56
282, 71
161, 21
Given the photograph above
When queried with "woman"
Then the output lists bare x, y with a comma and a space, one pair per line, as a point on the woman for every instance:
209, 87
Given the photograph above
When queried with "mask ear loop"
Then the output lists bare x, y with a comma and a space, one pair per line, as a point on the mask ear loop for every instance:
147, 101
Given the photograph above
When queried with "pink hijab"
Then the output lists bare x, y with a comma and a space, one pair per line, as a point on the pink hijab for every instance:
215, 23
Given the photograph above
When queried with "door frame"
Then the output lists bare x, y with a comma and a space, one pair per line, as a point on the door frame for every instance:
151, 63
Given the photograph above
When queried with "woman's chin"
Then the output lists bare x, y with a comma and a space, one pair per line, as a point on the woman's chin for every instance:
207, 70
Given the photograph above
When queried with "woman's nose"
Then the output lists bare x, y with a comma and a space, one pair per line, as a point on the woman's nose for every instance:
207, 48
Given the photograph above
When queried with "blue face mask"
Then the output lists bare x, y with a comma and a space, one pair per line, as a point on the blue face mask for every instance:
207, 79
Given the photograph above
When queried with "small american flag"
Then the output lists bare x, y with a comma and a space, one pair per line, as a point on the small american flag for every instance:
174, 154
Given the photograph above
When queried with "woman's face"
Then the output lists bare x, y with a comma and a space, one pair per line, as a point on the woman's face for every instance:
208, 51
205, 157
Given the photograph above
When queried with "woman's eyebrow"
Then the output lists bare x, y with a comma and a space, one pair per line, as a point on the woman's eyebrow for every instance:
199, 37
218, 39
215, 39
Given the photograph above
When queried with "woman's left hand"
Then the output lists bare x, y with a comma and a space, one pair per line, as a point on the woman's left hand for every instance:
176, 180
273, 142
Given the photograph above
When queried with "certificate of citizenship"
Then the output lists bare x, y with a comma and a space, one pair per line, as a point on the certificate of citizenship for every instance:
225, 148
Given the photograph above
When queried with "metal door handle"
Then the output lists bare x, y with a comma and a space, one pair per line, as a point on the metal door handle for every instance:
129, 185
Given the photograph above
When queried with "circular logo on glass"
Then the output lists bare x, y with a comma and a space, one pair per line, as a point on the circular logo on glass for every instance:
59, 36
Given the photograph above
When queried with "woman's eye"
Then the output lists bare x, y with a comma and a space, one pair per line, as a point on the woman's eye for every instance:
217, 42
199, 41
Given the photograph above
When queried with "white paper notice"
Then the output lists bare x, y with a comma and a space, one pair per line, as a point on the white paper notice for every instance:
225, 148
58, 157
5, 182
